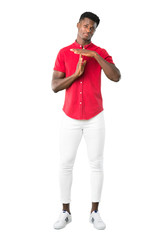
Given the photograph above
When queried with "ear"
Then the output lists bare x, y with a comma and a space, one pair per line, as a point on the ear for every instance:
78, 24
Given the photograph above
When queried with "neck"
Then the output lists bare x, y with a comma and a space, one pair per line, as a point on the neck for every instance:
82, 41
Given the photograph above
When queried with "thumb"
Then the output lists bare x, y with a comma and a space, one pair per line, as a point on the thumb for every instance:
84, 63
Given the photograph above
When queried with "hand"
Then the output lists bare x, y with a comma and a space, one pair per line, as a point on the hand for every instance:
84, 52
80, 66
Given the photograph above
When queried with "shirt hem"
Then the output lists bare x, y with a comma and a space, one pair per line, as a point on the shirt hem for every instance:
84, 118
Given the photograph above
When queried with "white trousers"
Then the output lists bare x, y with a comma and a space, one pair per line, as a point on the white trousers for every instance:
71, 133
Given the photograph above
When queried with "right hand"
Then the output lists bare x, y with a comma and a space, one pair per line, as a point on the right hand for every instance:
80, 66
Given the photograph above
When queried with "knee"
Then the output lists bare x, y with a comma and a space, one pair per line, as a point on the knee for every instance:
66, 164
96, 164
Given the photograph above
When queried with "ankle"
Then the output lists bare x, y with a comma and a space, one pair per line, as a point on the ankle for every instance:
66, 207
66, 210
94, 210
94, 206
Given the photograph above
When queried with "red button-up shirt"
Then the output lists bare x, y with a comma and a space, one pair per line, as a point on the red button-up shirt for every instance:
83, 99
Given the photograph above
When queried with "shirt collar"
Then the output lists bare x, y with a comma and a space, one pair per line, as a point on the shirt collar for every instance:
80, 46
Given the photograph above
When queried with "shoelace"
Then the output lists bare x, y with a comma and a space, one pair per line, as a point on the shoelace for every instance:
62, 216
98, 218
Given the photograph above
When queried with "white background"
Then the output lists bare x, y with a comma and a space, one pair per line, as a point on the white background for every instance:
32, 32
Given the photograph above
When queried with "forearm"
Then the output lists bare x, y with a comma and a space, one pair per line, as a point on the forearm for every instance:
63, 83
110, 70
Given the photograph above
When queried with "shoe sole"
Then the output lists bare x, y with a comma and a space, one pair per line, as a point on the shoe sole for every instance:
95, 227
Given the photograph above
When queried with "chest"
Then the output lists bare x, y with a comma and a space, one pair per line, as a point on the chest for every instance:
71, 62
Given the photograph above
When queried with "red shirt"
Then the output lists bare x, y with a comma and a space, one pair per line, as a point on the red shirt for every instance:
83, 99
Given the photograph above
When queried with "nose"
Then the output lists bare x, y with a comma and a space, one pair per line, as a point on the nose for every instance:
88, 30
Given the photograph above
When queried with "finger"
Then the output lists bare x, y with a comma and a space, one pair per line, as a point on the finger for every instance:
76, 51
80, 58
84, 63
73, 50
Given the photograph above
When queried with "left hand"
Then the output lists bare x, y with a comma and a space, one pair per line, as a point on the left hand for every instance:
84, 52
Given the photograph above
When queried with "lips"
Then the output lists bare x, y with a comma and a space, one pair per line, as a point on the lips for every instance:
86, 35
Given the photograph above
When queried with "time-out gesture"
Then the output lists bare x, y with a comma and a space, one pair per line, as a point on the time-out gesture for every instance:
84, 52
110, 70
80, 66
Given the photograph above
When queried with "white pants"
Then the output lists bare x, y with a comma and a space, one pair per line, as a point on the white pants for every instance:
71, 133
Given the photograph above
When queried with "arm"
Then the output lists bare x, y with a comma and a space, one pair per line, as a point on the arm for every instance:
60, 82
110, 70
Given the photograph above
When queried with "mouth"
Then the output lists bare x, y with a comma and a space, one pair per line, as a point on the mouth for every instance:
87, 35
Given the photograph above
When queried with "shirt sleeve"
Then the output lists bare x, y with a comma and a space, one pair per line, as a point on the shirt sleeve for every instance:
104, 54
60, 63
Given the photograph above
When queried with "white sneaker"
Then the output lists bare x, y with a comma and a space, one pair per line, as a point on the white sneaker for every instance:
96, 220
63, 220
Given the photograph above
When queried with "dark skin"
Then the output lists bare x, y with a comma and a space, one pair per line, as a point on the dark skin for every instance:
86, 30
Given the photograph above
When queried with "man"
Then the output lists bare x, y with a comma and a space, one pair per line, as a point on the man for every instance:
78, 70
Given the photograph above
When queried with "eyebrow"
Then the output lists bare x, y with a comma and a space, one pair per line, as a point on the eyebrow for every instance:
88, 25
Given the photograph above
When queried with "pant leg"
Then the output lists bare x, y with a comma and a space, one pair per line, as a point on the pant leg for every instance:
94, 134
70, 137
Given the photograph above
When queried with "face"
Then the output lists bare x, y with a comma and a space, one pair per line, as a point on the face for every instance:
86, 29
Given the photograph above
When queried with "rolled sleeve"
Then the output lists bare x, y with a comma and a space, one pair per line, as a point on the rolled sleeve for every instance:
104, 54
60, 63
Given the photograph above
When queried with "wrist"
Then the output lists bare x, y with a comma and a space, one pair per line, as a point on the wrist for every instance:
75, 75
95, 55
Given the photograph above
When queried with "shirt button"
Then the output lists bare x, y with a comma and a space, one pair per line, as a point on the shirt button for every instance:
80, 102
80, 82
80, 92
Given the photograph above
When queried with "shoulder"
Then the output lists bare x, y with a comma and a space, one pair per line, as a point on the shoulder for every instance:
103, 53
65, 49
99, 49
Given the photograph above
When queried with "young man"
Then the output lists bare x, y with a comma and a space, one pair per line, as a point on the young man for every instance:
78, 70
